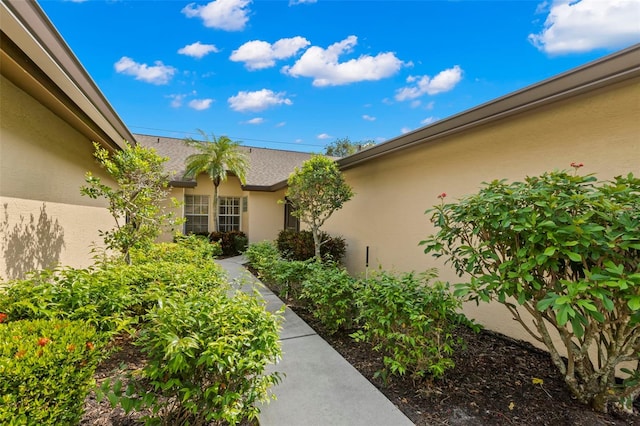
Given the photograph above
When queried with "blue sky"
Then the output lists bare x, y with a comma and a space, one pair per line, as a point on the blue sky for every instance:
300, 74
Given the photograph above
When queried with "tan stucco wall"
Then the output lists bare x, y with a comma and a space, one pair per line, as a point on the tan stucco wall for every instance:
44, 219
266, 215
600, 129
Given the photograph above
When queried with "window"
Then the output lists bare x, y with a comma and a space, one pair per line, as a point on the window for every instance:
290, 221
196, 212
228, 214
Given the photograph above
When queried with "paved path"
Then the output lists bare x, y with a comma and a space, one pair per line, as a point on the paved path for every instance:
320, 388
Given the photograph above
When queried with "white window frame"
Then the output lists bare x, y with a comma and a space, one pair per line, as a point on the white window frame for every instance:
199, 209
229, 210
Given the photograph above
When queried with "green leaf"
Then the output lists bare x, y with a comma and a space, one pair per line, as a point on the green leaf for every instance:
576, 257
634, 303
549, 251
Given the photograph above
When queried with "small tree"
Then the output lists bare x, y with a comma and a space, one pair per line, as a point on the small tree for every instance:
566, 250
316, 191
216, 158
135, 202
344, 147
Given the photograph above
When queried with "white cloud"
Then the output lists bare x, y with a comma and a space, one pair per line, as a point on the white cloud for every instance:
443, 82
176, 100
297, 2
200, 104
416, 103
257, 120
257, 54
405, 130
257, 101
324, 136
281, 124
228, 15
324, 67
428, 120
585, 25
155, 74
198, 50
368, 118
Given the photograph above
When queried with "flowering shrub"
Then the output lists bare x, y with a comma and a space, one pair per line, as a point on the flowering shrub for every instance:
46, 371
565, 249
410, 319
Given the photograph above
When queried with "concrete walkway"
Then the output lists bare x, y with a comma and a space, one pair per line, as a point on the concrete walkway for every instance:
319, 387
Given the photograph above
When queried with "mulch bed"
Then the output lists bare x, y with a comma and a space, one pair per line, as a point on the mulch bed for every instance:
491, 384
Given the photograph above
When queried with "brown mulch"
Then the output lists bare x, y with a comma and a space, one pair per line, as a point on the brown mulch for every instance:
491, 384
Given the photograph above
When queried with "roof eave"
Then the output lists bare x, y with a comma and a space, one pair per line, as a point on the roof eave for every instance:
37, 59
614, 68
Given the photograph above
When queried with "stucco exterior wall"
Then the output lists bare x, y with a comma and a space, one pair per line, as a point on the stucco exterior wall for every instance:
600, 129
44, 219
266, 215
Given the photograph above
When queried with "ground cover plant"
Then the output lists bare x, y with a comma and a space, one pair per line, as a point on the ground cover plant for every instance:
565, 249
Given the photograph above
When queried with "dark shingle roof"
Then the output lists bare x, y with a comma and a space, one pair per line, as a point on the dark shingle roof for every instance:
268, 168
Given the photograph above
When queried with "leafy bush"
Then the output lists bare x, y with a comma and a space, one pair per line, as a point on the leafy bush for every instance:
286, 277
206, 358
565, 249
46, 371
72, 294
263, 256
185, 249
232, 242
111, 298
331, 292
410, 320
299, 245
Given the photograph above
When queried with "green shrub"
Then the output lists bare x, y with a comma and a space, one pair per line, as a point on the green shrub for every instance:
46, 371
232, 242
147, 282
299, 245
410, 320
331, 292
262, 257
565, 249
287, 276
72, 294
206, 358
185, 249
112, 298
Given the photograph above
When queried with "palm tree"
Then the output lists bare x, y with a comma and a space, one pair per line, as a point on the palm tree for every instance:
216, 158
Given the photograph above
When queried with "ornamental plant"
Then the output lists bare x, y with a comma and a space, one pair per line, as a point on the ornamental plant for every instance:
316, 191
410, 319
46, 371
561, 252
135, 201
206, 357
331, 292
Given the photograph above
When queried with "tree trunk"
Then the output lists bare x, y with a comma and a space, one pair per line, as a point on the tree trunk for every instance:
215, 207
316, 242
